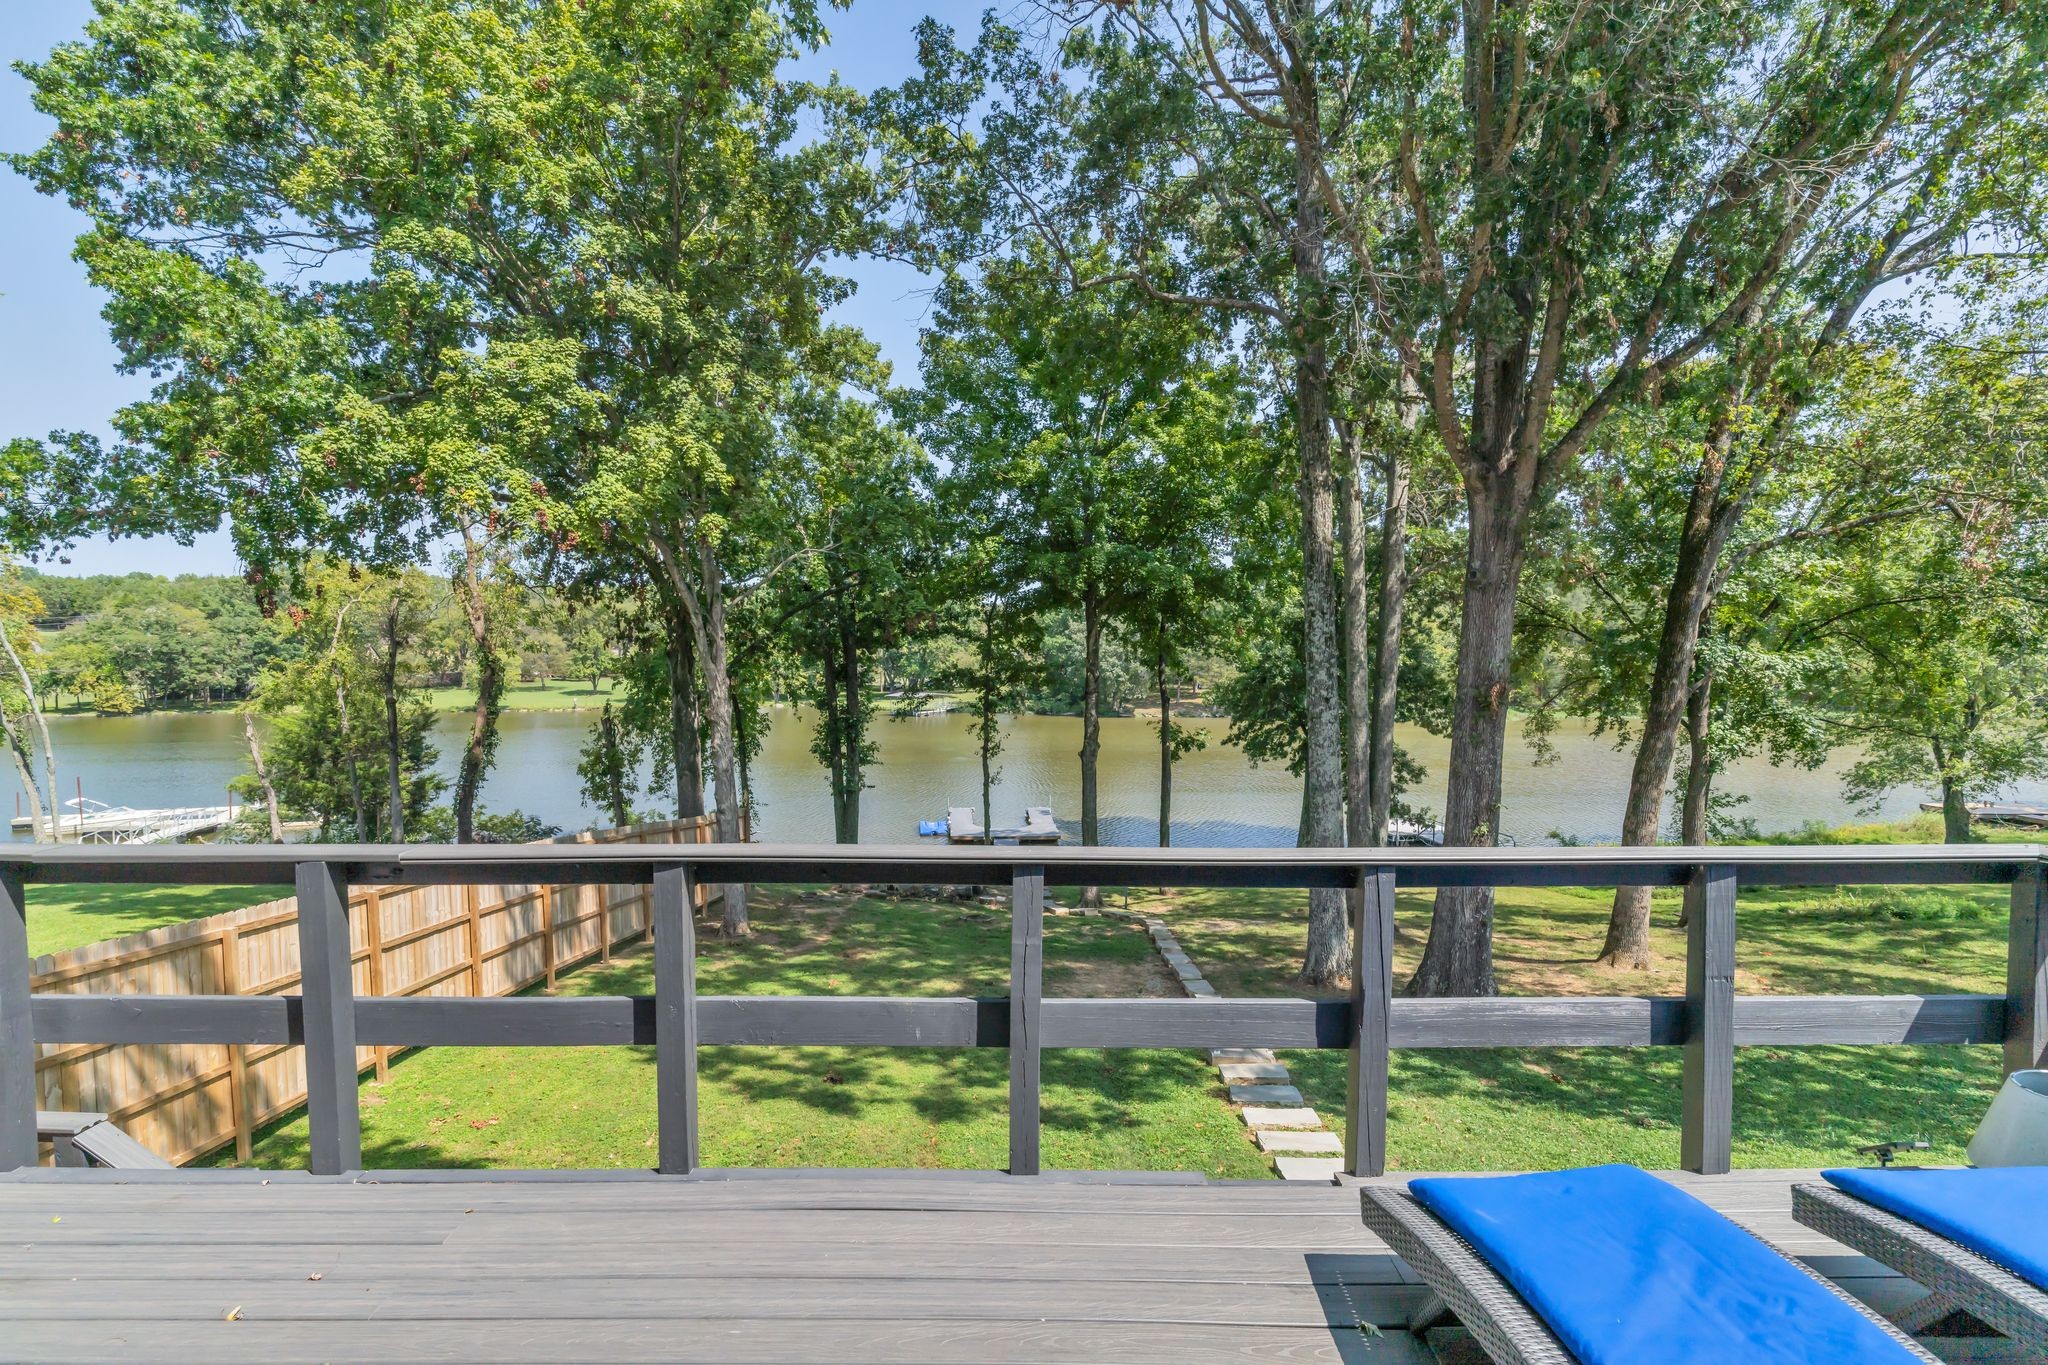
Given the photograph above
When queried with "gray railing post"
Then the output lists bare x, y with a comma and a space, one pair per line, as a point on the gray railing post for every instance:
1707, 1142
675, 1020
1372, 1003
2026, 973
1027, 979
334, 1125
17, 1029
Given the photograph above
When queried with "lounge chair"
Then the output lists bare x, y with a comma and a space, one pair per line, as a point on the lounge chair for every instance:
1977, 1238
1608, 1265
963, 828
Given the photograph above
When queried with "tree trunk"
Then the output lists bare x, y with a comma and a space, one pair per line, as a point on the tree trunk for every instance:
393, 739
835, 749
1701, 539
1358, 660
854, 733
718, 700
1393, 603
482, 748
1458, 959
1326, 961
44, 827
1091, 728
614, 767
1955, 810
685, 745
263, 777
1165, 746
1699, 771
35, 712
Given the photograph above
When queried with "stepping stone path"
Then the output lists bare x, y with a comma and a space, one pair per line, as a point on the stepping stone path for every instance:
1270, 1104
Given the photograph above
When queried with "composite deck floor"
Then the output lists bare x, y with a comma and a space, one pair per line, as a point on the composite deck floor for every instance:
828, 1267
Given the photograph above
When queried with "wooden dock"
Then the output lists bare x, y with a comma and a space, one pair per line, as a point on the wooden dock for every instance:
839, 1266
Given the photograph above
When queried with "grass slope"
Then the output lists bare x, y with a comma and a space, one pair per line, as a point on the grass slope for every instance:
559, 694
561, 1107
1521, 1109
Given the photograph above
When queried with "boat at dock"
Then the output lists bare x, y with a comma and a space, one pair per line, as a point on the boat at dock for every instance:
2000, 812
95, 822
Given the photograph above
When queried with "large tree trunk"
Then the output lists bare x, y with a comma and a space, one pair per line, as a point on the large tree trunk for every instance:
482, 747
1091, 728
834, 722
1358, 660
1699, 769
394, 740
1386, 626
1701, 539
262, 777
1458, 959
718, 701
1326, 960
1955, 810
685, 744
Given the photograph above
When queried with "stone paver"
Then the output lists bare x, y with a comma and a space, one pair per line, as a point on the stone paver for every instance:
1201, 988
1220, 1055
1322, 1170
1285, 1140
1264, 1094
1260, 1117
1236, 1072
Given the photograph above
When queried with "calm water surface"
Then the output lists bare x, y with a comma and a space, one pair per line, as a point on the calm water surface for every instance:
929, 764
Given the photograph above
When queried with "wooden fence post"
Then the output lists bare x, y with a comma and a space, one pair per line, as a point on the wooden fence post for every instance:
373, 939
238, 1062
1027, 980
327, 991
476, 940
1372, 1003
2026, 973
673, 923
1707, 1141
17, 1030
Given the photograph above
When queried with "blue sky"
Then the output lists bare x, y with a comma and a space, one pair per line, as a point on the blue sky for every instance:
57, 367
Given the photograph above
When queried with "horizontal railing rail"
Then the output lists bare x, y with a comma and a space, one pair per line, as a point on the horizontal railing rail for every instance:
330, 1021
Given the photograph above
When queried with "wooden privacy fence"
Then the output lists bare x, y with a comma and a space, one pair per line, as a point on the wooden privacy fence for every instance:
331, 1017
183, 1100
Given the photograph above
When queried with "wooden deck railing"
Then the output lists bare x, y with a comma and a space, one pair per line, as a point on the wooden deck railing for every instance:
329, 1021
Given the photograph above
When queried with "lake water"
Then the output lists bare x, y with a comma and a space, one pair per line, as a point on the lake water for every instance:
929, 764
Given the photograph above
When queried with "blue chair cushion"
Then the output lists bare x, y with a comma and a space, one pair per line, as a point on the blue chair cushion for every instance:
2001, 1213
1625, 1268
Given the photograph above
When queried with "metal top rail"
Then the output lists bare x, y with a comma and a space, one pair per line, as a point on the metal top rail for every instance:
1067, 865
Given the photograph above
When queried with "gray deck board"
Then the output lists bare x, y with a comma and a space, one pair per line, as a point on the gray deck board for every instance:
836, 1267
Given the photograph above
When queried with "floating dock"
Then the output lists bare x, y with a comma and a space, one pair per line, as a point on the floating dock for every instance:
2001, 812
95, 822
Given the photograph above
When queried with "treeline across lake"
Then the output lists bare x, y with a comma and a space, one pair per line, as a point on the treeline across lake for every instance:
1679, 371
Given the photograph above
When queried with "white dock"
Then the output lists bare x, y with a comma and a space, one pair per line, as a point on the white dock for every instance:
2000, 812
95, 822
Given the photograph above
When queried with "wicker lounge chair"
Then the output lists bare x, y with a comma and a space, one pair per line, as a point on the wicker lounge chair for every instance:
1465, 1286
1961, 1280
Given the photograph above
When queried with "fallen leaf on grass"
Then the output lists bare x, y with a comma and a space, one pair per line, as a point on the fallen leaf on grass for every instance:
483, 1123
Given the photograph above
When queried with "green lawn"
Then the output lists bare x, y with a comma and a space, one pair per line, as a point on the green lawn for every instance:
61, 917
1513, 1109
558, 694
557, 1107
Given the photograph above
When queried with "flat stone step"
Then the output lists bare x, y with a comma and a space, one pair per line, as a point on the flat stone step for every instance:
1321, 1170
1234, 1073
1176, 957
1220, 1055
1185, 970
1201, 988
1285, 1140
1265, 1094
1282, 1118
